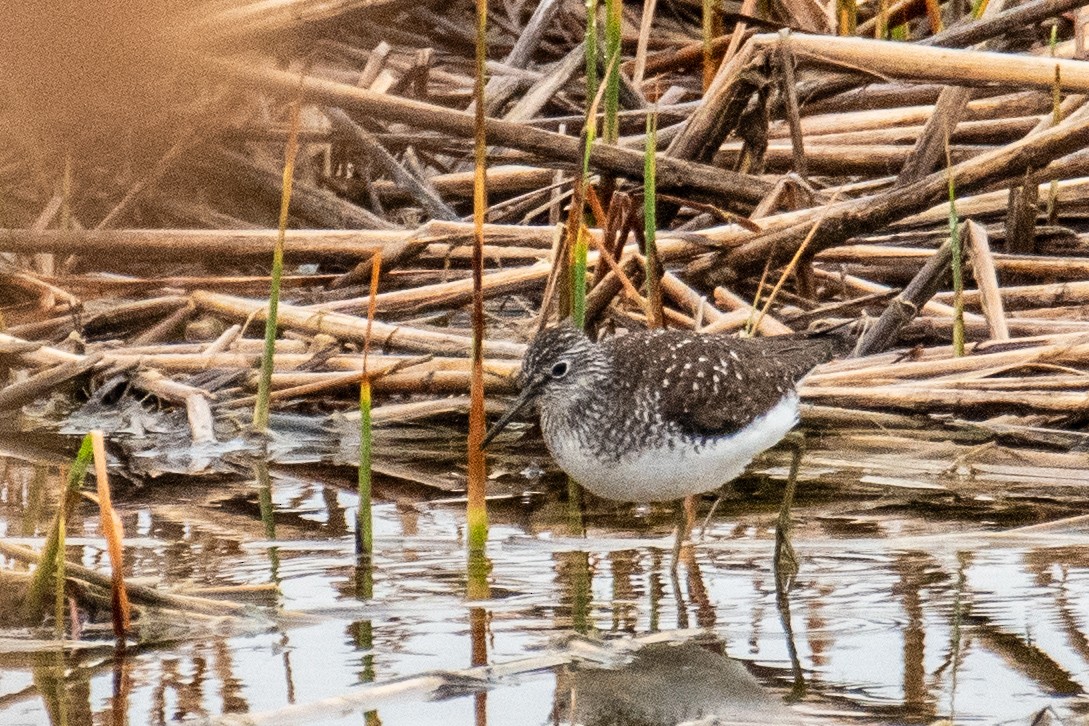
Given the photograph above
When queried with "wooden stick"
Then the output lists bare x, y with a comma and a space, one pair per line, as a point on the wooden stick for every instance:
986, 279
347, 327
555, 148
944, 65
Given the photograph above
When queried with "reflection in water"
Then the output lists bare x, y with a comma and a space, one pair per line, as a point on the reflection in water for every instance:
574, 578
655, 590
956, 639
911, 567
268, 514
697, 591
230, 687
664, 685
678, 596
122, 686
816, 627
623, 565
478, 569
912, 632
782, 604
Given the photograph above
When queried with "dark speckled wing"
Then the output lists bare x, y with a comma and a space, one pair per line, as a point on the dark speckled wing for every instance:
713, 385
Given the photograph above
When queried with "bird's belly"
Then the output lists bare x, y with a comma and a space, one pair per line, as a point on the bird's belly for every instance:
668, 472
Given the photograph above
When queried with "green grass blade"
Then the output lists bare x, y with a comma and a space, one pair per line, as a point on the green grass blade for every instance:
958, 266
611, 126
578, 279
364, 530
650, 218
264, 383
591, 50
54, 543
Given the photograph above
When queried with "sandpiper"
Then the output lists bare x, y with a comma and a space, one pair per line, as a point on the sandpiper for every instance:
657, 415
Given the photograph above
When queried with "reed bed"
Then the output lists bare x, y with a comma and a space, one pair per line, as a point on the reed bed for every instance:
818, 150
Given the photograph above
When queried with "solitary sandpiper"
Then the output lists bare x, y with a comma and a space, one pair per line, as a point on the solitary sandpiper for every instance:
657, 415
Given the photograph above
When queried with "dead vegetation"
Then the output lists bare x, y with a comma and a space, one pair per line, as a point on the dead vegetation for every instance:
822, 145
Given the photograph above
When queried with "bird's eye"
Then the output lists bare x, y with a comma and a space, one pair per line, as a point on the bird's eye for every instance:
559, 370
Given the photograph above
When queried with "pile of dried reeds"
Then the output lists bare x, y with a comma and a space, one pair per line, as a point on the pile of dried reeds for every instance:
831, 155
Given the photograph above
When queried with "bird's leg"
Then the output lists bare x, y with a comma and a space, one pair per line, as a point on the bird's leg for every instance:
782, 604
682, 532
786, 564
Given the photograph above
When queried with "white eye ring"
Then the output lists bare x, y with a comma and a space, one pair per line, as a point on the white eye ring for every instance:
559, 369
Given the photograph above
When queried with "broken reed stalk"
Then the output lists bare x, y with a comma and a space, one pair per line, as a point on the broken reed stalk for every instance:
54, 543
958, 270
477, 511
364, 523
650, 222
611, 127
261, 408
114, 534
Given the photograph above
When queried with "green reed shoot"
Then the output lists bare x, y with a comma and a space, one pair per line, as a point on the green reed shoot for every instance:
958, 268
49, 568
267, 510
264, 383
578, 278
58, 574
364, 524
576, 236
650, 219
477, 508
611, 127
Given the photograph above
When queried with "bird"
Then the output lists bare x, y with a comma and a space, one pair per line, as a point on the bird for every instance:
661, 414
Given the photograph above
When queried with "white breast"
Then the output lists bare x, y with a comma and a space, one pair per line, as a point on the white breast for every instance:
664, 473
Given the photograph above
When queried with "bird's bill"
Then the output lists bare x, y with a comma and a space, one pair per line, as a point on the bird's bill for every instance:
529, 392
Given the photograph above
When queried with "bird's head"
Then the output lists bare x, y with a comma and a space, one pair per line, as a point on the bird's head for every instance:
560, 365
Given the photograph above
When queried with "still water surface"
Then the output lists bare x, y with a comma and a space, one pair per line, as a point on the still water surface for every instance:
895, 619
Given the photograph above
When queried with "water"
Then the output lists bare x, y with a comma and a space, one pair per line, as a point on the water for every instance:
896, 618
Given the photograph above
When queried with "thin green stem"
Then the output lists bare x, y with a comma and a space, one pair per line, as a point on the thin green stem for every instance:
578, 280
54, 543
264, 383
591, 50
650, 218
477, 508
958, 268
611, 127
364, 521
